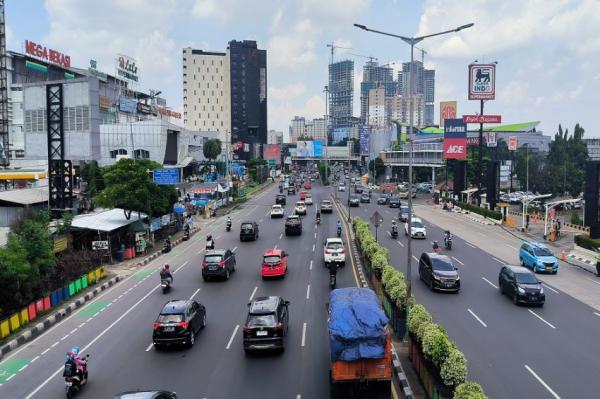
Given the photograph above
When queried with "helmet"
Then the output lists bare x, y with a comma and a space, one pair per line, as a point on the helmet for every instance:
435, 243
167, 267
75, 350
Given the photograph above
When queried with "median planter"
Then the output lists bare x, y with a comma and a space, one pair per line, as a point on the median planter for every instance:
427, 372
397, 316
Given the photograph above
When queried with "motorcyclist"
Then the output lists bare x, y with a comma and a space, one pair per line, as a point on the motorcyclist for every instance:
333, 268
339, 224
228, 222
165, 274
210, 242
436, 247
447, 237
80, 364
168, 242
318, 217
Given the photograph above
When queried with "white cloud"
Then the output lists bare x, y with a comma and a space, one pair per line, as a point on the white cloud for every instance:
205, 8
288, 92
276, 19
333, 11
293, 50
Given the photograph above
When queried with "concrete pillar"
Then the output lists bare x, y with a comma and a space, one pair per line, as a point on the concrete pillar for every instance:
433, 175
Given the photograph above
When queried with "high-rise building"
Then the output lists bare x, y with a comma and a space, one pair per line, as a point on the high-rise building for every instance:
274, 137
375, 76
301, 128
377, 115
424, 84
341, 93
206, 92
297, 128
400, 109
227, 92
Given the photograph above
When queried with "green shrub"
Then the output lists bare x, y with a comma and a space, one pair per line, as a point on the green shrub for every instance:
584, 241
469, 390
388, 273
441, 349
430, 332
454, 369
378, 261
481, 211
417, 316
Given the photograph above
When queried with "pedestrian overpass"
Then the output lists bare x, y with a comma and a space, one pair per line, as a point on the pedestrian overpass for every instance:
424, 154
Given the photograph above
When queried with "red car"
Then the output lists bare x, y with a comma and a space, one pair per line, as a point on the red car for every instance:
303, 195
274, 263
307, 186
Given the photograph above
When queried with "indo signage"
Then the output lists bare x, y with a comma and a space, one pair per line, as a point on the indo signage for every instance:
47, 54
482, 82
126, 68
455, 139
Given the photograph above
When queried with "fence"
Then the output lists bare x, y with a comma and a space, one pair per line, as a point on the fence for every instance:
427, 372
35, 309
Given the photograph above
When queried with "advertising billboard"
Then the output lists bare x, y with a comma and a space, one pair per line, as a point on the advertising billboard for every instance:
363, 136
340, 133
482, 81
126, 68
447, 111
271, 152
455, 139
127, 105
309, 149
513, 143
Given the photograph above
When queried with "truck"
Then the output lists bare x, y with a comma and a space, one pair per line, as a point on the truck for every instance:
360, 345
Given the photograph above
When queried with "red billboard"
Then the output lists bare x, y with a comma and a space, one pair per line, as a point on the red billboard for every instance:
271, 151
455, 139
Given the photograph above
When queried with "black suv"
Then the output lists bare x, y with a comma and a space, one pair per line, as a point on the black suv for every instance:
438, 272
267, 324
178, 323
521, 285
293, 225
218, 263
394, 202
280, 199
354, 200
249, 230
291, 190
358, 189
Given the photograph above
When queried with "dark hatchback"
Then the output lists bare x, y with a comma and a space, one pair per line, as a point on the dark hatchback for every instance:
218, 263
403, 213
438, 272
354, 200
266, 324
383, 199
178, 323
291, 190
249, 231
394, 202
280, 199
521, 285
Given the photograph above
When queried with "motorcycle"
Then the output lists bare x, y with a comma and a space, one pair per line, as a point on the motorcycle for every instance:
448, 242
167, 247
436, 248
210, 243
74, 383
228, 226
332, 280
186, 234
165, 284
318, 220
394, 232
339, 231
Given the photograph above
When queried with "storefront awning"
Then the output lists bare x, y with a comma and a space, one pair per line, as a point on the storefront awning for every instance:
106, 221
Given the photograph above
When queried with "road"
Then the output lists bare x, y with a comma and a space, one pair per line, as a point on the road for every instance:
116, 328
514, 352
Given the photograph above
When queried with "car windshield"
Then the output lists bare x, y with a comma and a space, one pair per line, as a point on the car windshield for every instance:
335, 245
325, 203
271, 259
213, 258
526, 278
299, 203
404, 209
170, 318
542, 252
417, 225
263, 320
278, 208
441, 264
247, 226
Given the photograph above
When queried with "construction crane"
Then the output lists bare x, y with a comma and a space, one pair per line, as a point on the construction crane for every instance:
333, 46
423, 52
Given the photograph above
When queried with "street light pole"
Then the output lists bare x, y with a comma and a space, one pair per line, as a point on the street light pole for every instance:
326, 135
527, 167
412, 41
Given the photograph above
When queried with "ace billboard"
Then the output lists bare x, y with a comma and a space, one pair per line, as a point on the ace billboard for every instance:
482, 82
455, 139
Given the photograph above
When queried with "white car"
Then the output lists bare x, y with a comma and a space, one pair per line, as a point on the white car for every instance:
417, 229
308, 199
276, 211
333, 251
342, 188
300, 208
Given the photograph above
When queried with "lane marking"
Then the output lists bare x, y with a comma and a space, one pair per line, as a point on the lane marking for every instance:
458, 261
537, 377
597, 314
498, 260
275, 246
149, 348
541, 318
313, 247
194, 294
477, 317
310, 267
402, 245
472, 246
513, 247
550, 288
315, 235
490, 283
54, 344
46, 351
593, 281
253, 292
23, 367
308, 292
8, 379
415, 258
234, 248
232, 336
280, 236
35, 358
65, 337
184, 263
303, 335
298, 396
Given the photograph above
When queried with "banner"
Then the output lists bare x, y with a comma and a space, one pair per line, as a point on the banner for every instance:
363, 135
271, 152
447, 111
309, 149
340, 133
455, 139
127, 105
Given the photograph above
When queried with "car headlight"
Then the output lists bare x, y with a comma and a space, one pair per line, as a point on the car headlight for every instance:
521, 290
436, 277
541, 290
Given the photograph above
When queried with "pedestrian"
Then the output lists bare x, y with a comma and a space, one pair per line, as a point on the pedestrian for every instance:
527, 222
558, 228
598, 262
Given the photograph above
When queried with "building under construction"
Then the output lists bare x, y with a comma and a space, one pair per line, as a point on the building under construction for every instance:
375, 76
341, 93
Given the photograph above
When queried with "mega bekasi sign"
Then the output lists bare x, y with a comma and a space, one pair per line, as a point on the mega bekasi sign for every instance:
47, 54
455, 139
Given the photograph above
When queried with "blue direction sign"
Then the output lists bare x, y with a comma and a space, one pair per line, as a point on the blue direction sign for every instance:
167, 177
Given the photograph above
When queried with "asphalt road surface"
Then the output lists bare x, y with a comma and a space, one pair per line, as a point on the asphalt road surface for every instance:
513, 351
116, 328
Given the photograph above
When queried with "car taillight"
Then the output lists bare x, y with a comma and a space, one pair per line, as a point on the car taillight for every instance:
156, 326
328, 251
183, 324
247, 329
278, 326
341, 252
222, 264
204, 264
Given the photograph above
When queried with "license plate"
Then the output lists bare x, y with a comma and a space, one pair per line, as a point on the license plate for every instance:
212, 268
169, 329
68, 383
548, 269
261, 333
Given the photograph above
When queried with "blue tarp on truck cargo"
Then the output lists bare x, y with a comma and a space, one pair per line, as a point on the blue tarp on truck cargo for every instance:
356, 325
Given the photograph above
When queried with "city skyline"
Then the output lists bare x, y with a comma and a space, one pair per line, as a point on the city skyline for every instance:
295, 37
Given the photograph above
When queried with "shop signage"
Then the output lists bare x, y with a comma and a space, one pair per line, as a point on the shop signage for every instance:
482, 82
168, 112
455, 139
126, 68
92, 69
104, 102
143, 108
47, 54
491, 139
127, 105
482, 118
99, 245
167, 177
512, 143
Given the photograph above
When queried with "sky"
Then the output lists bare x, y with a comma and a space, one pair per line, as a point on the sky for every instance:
548, 51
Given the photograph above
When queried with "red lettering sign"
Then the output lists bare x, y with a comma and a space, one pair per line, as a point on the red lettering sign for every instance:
455, 148
50, 55
168, 112
482, 118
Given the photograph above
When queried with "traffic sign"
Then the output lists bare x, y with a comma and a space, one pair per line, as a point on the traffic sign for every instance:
482, 118
482, 82
376, 219
166, 176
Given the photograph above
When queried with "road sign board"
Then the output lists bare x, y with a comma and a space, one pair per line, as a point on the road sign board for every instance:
376, 219
482, 81
166, 176
98, 245
482, 118
512, 143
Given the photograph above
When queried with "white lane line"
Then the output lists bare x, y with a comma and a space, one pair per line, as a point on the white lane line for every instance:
310, 267
477, 317
253, 292
313, 247
23, 367
85, 348
472, 246
35, 358
298, 396
232, 336
54, 344
8, 379
540, 317
399, 243
234, 249
275, 246
550, 288
498, 260
149, 348
315, 234
537, 377
511, 246
280, 236
45, 351
88, 320
597, 314
73, 330
490, 283
65, 337
593, 281
415, 258
194, 294
184, 263
388, 233
458, 261
308, 292
303, 335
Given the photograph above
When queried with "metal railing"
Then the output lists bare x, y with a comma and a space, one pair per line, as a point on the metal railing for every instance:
424, 154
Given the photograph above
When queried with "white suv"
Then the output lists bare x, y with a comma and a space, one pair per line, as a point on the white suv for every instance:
300, 208
276, 211
333, 251
417, 229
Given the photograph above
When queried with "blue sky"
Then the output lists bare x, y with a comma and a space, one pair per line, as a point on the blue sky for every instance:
547, 50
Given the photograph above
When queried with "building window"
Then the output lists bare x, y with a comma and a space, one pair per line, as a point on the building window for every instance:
141, 154
19, 154
120, 151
